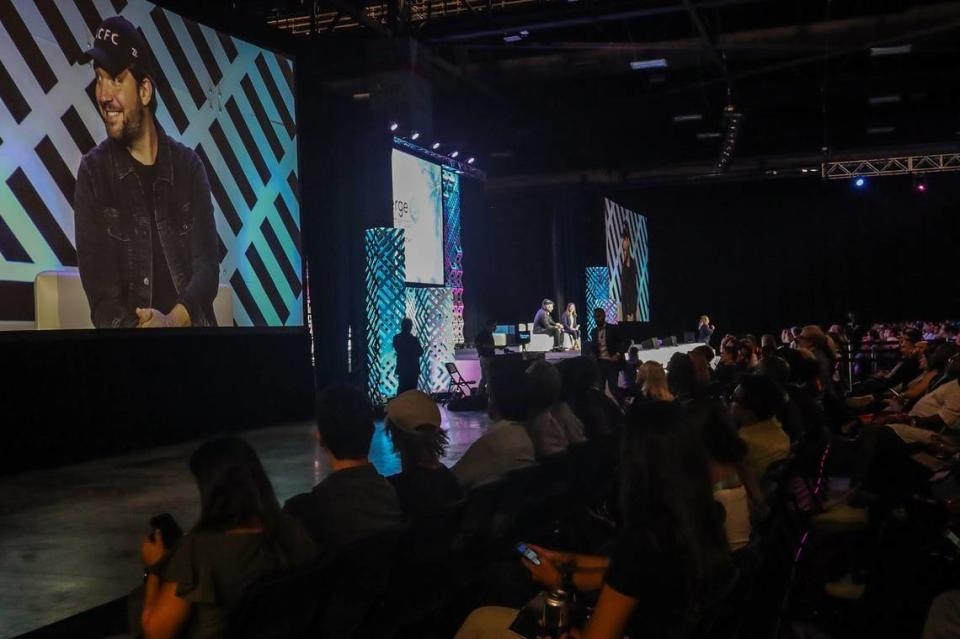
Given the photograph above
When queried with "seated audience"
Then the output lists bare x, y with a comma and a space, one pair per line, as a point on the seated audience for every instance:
747, 357
670, 564
354, 502
756, 401
507, 444
680, 376
771, 364
726, 453
543, 392
700, 359
242, 536
655, 382
727, 372
424, 485
600, 415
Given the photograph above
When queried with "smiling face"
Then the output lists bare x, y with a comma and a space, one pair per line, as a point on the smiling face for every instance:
122, 103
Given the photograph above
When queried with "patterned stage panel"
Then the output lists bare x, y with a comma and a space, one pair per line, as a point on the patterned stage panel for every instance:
230, 101
598, 291
453, 249
385, 304
432, 312
618, 221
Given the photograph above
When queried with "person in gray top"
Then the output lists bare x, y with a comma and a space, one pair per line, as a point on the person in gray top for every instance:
507, 444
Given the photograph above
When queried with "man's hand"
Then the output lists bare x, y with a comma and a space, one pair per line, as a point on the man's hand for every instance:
152, 318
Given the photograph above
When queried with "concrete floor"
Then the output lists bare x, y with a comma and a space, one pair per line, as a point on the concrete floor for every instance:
70, 537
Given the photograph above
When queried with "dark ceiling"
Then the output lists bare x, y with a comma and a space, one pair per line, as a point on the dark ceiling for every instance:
545, 87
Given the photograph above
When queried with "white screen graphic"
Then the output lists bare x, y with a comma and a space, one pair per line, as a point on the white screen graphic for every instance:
418, 209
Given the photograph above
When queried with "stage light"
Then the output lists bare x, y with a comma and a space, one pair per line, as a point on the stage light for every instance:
690, 117
883, 99
920, 184
897, 50
657, 63
471, 160
435, 146
414, 135
859, 182
394, 126
455, 154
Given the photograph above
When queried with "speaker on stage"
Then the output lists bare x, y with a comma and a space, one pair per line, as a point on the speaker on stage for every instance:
648, 344
670, 341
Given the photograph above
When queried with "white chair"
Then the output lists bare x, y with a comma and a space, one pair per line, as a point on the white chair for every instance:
540, 343
61, 303
499, 340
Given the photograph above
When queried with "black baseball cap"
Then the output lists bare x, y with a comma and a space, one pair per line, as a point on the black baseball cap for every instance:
118, 45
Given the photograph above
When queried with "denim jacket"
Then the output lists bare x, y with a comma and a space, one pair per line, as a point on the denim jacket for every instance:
113, 232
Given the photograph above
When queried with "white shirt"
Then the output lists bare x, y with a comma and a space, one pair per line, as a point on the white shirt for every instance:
602, 342
944, 402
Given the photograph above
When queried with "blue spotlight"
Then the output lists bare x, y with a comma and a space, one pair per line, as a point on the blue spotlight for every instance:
859, 182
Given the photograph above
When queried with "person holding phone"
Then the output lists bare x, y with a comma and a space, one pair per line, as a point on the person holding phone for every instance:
671, 563
192, 588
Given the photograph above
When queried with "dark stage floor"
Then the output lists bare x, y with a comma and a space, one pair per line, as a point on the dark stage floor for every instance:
70, 537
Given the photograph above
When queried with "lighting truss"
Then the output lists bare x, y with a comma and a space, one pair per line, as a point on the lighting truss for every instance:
905, 165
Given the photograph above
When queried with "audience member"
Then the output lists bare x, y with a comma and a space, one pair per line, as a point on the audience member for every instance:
670, 564
354, 502
655, 382
241, 536
727, 371
600, 415
607, 348
424, 485
543, 386
756, 401
506, 445
486, 351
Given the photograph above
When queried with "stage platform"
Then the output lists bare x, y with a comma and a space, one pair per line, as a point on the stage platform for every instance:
468, 363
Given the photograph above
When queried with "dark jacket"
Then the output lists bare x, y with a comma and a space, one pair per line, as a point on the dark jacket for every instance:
543, 322
615, 343
114, 232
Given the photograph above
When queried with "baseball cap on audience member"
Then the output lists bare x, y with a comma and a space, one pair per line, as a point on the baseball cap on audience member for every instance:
413, 412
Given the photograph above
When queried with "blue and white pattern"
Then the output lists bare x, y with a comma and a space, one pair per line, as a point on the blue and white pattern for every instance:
618, 220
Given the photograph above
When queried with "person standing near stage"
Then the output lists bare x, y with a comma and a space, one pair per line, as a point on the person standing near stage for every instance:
543, 323
705, 330
607, 347
409, 351
146, 238
571, 324
486, 351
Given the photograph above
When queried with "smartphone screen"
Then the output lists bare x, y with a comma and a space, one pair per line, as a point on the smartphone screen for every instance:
531, 556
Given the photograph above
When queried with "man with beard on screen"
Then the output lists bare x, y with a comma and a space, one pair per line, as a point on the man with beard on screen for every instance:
146, 239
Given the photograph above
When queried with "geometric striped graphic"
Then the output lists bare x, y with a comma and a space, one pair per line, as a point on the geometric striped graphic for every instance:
230, 101
453, 249
618, 221
385, 305
598, 291
431, 309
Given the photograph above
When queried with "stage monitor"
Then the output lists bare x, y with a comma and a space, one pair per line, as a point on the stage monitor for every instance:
627, 258
148, 172
418, 209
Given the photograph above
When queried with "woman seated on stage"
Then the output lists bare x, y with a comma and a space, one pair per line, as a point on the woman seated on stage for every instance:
242, 536
571, 325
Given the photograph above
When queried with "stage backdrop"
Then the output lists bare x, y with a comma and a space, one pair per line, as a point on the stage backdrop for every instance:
627, 258
230, 101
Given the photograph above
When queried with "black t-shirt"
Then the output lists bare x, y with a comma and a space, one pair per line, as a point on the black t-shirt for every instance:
164, 294
350, 505
485, 344
648, 567
408, 350
424, 491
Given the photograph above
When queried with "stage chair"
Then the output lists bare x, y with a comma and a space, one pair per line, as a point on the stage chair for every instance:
459, 387
540, 343
61, 303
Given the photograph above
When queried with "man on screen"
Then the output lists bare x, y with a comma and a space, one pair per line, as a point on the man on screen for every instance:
146, 240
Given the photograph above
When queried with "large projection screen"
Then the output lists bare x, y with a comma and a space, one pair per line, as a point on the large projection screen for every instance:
418, 209
627, 261
79, 253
